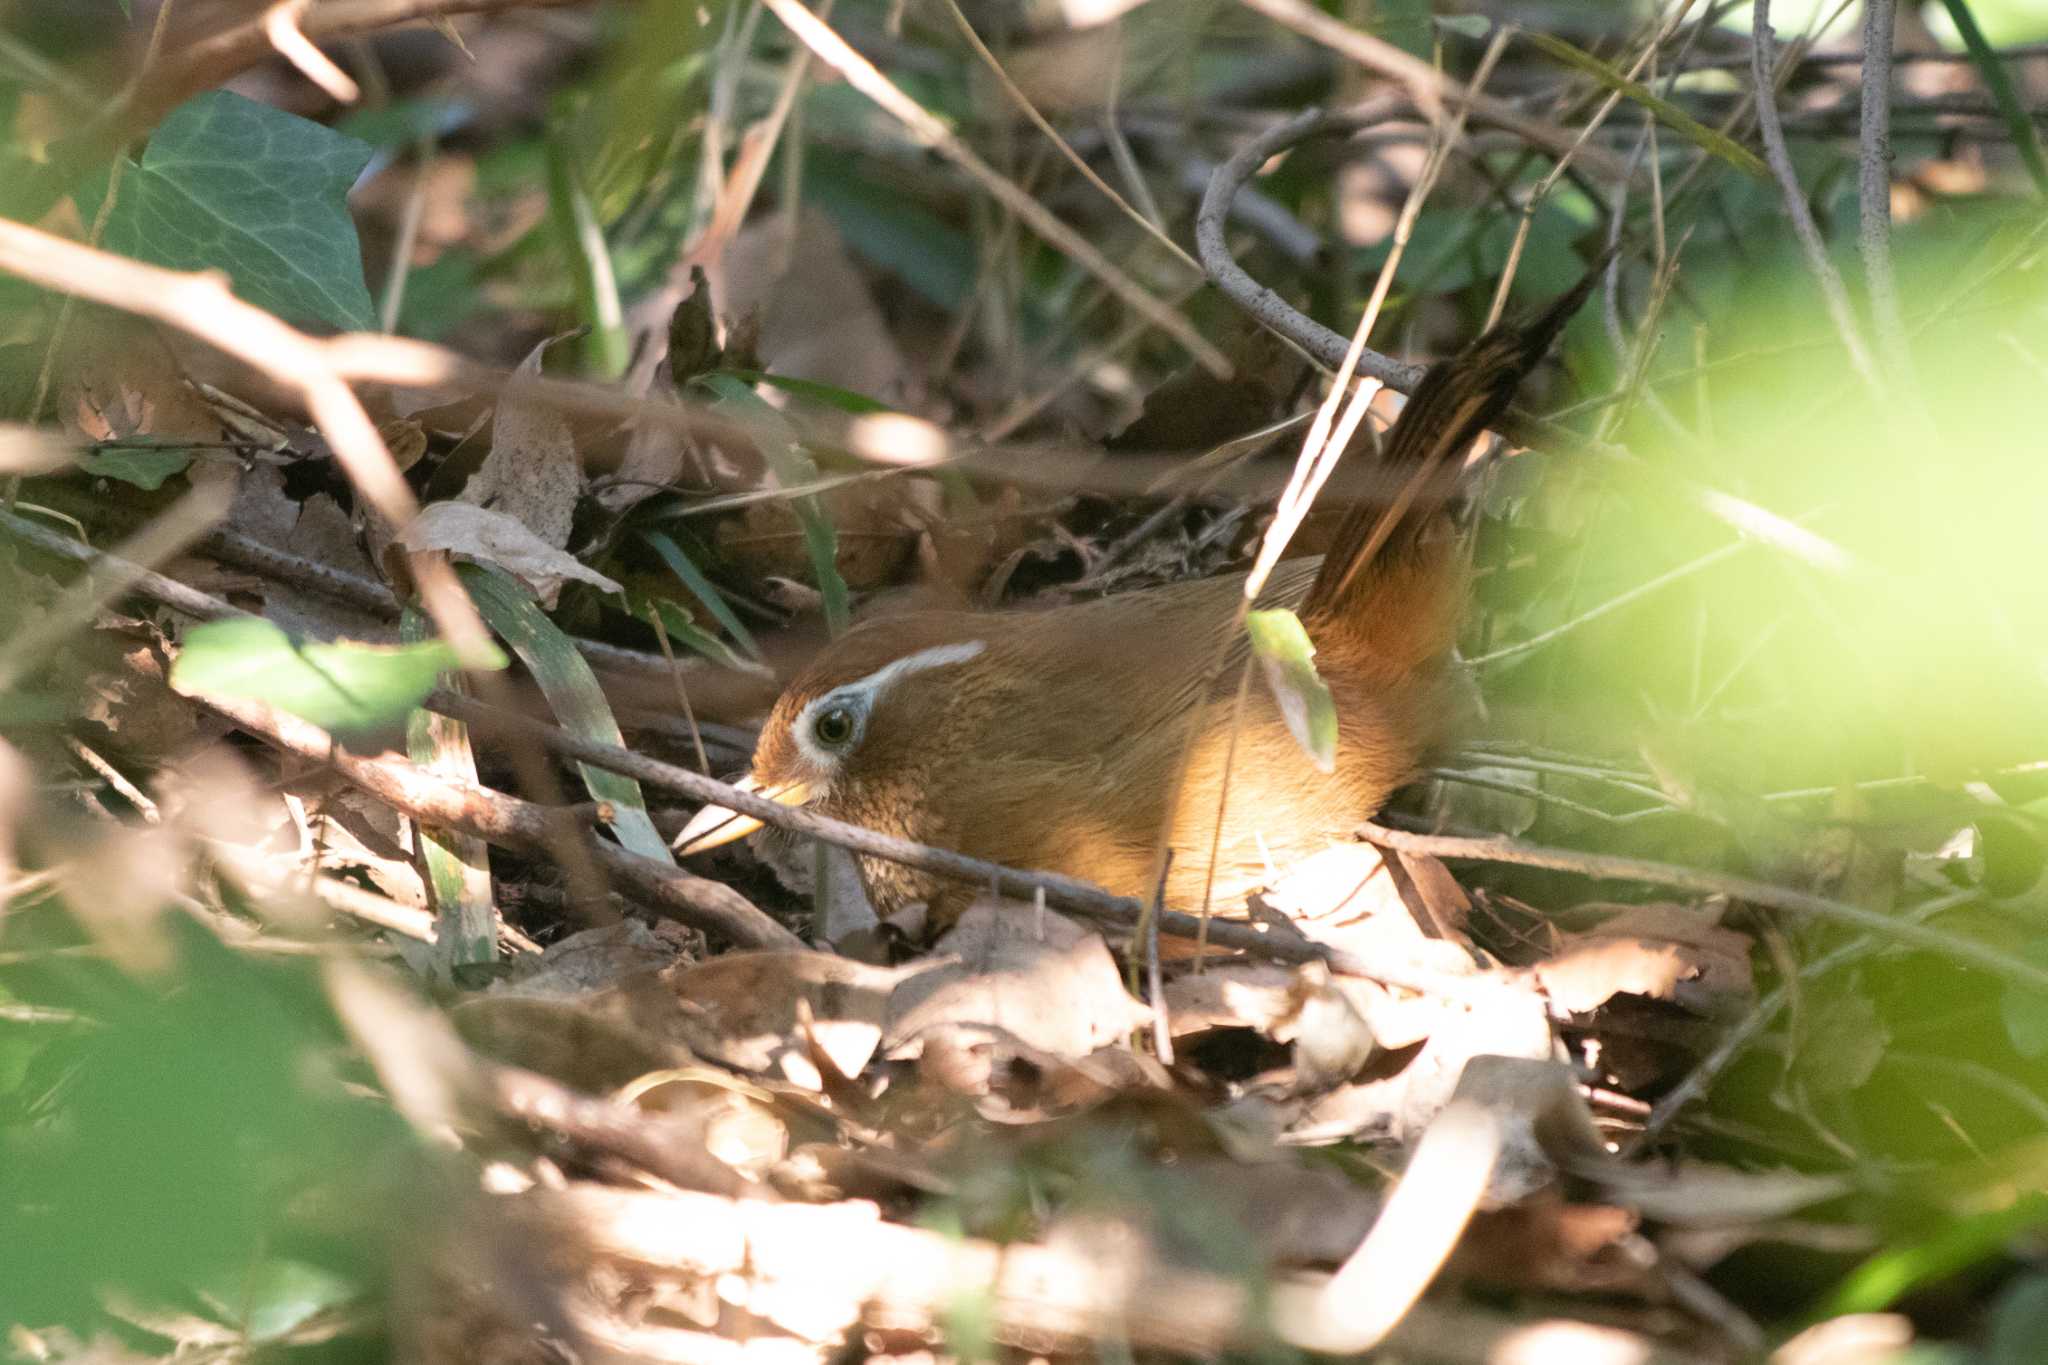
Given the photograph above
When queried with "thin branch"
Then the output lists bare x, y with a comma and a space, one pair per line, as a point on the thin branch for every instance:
928, 131
1763, 47
203, 306
1428, 86
508, 822
703, 904
1605, 866
1874, 186
1328, 348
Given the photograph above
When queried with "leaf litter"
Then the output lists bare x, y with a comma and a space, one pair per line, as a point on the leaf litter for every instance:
915, 1148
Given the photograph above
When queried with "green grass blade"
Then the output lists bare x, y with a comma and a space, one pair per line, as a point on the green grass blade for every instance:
573, 694
1992, 68
457, 866
703, 589
1670, 115
590, 265
794, 468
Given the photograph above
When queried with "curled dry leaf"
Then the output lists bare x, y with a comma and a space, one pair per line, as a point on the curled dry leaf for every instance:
1663, 951
1037, 976
531, 474
762, 1011
493, 538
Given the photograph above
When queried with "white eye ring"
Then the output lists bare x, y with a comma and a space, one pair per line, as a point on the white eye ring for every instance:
835, 727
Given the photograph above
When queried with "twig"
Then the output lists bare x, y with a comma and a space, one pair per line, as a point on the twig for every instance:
203, 306
1061, 892
489, 815
513, 823
1039, 121
1612, 604
1328, 349
1763, 47
928, 131
339, 585
1737, 1039
509, 822
1610, 867
1874, 186
1428, 86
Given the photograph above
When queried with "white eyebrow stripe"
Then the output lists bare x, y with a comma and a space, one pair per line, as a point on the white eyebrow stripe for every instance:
879, 681
862, 693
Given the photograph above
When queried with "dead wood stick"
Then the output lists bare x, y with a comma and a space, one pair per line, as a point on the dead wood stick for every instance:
856, 1269
202, 305
509, 822
1609, 866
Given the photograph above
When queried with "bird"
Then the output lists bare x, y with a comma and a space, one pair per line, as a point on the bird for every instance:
1092, 739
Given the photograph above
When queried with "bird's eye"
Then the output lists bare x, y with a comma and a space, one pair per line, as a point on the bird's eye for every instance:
834, 727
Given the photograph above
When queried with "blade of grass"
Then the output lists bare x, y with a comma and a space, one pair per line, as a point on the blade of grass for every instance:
590, 262
793, 467
1992, 68
573, 694
457, 866
1715, 144
703, 589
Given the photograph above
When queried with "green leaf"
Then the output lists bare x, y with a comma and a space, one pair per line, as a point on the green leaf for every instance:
2024, 1011
701, 588
565, 679
457, 866
795, 468
2019, 125
1667, 113
273, 1298
335, 686
831, 395
1287, 657
144, 466
229, 184
682, 628
2019, 1322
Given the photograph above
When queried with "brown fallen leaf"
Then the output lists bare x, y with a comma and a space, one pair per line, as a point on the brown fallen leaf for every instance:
495, 538
532, 473
1036, 976
762, 1011
1663, 951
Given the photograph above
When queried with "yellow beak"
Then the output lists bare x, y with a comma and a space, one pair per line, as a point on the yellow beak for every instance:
715, 825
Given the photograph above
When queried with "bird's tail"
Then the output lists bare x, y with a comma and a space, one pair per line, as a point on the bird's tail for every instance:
1391, 571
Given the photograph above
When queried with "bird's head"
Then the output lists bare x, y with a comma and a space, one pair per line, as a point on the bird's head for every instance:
860, 733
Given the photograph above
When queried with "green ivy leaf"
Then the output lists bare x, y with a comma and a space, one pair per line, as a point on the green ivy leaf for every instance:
337, 686
2024, 1011
144, 466
1287, 657
229, 184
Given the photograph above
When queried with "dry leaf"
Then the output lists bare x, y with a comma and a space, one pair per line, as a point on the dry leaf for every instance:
531, 474
1664, 951
494, 538
818, 319
754, 1011
1036, 976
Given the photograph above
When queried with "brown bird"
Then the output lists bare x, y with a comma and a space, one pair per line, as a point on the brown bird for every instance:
1055, 739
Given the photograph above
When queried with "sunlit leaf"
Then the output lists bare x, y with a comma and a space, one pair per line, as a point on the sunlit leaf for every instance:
335, 686
229, 184
573, 694
144, 466
1287, 659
